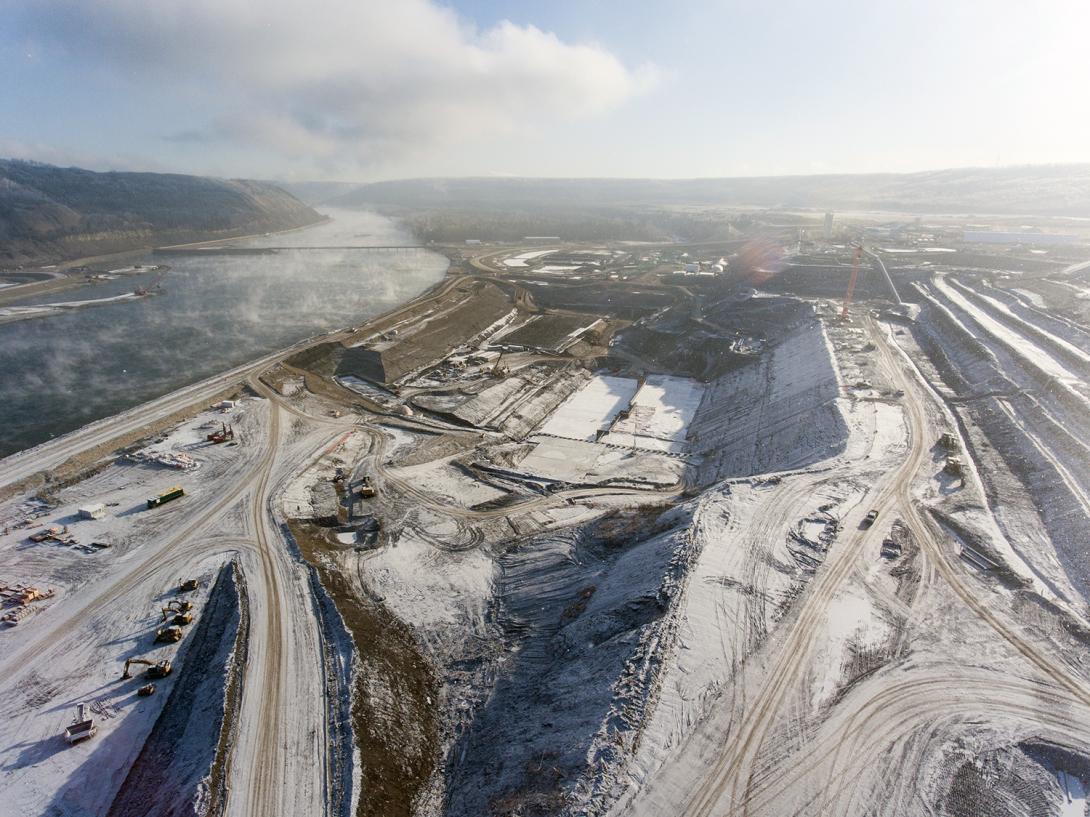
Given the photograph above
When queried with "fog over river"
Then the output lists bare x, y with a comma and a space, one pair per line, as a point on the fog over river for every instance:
68, 369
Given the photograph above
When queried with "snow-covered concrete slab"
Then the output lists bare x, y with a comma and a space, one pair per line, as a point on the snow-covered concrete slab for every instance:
592, 408
557, 458
520, 260
580, 462
660, 414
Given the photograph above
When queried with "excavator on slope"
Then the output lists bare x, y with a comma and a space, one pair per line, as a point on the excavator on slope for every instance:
180, 610
177, 617
154, 670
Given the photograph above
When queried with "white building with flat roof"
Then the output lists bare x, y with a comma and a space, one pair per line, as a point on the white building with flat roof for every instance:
94, 511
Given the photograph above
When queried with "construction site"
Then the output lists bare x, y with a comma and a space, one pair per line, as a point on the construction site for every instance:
770, 526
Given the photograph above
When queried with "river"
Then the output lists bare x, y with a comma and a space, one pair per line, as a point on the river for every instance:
68, 369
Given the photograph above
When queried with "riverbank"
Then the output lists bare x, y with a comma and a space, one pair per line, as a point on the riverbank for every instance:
22, 313
63, 277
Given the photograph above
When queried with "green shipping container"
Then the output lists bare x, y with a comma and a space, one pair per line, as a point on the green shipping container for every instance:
166, 496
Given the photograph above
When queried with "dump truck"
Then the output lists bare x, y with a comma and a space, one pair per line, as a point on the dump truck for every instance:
82, 726
166, 496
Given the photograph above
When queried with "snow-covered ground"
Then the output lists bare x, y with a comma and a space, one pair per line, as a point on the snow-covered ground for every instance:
674, 632
1032, 413
580, 462
779, 412
428, 587
447, 482
108, 609
549, 269
15, 313
1047, 363
82, 662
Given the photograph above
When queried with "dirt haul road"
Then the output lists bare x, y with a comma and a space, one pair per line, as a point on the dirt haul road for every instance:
939, 553
733, 778
725, 785
891, 719
280, 760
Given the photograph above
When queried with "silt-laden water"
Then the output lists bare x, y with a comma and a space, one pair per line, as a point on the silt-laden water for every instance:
60, 372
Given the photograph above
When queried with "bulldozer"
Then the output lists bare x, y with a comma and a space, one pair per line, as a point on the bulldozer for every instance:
948, 441
154, 670
187, 585
169, 634
365, 488
146, 690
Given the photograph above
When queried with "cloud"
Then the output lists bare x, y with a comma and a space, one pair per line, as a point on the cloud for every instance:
371, 80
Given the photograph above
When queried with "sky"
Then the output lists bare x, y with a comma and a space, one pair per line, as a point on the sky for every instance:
362, 90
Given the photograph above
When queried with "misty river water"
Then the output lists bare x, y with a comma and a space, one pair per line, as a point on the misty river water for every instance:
65, 370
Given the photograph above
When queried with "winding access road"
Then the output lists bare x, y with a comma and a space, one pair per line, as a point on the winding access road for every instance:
735, 783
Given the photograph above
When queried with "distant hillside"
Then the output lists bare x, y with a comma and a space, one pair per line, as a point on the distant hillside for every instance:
1059, 190
52, 213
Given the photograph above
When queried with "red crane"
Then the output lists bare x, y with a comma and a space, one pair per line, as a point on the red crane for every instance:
154, 286
851, 281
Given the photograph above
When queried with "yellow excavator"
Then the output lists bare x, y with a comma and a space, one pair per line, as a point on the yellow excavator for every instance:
178, 613
154, 670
